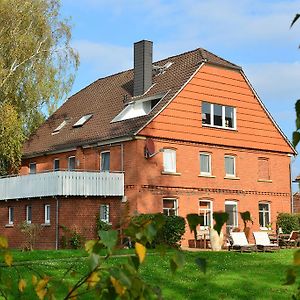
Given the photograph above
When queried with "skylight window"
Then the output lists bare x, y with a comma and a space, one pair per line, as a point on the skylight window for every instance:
58, 128
82, 120
136, 109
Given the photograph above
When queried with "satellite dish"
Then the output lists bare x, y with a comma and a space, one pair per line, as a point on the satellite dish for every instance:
149, 148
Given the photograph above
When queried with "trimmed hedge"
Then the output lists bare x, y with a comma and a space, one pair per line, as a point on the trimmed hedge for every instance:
288, 222
170, 234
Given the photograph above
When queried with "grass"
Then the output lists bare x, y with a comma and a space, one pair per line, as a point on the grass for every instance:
230, 275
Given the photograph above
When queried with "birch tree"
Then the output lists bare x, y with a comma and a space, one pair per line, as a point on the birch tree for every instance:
37, 65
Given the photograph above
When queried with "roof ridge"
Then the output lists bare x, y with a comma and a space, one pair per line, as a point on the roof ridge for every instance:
221, 58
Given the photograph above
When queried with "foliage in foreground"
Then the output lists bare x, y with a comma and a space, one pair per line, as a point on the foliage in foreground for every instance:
101, 281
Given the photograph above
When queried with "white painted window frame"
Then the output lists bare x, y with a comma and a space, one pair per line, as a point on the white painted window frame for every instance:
107, 213
223, 117
47, 214
54, 160
210, 210
102, 152
27, 214
168, 154
10, 215
209, 163
69, 159
234, 165
175, 206
262, 211
32, 164
236, 217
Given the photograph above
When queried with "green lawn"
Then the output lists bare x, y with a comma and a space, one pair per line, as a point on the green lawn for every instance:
230, 275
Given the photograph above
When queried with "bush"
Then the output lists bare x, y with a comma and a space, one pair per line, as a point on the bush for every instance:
169, 234
101, 225
288, 222
71, 238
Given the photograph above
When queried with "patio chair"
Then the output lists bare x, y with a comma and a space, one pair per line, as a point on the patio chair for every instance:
292, 240
240, 242
263, 242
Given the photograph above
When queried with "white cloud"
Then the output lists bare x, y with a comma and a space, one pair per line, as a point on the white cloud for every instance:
276, 81
104, 58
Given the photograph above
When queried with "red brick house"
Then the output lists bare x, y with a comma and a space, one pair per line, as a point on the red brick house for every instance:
187, 134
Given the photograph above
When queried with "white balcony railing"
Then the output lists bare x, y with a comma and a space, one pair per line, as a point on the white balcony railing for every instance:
62, 183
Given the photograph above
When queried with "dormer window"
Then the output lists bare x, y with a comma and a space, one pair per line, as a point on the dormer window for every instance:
58, 128
137, 109
82, 120
216, 115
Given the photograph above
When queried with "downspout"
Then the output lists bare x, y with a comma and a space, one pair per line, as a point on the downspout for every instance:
291, 185
122, 157
56, 225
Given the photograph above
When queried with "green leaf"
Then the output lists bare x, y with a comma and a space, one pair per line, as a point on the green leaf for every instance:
108, 238
194, 220
296, 138
290, 277
94, 261
134, 261
201, 262
295, 20
177, 261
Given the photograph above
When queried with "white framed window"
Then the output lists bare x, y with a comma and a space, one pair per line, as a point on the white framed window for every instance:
56, 164
217, 115
170, 207
104, 213
47, 213
231, 207
205, 163
206, 211
28, 214
59, 127
264, 214
169, 157
10, 215
71, 163
32, 168
230, 169
82, 120
105, 161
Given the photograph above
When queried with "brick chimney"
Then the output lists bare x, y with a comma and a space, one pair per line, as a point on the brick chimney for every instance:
142, 67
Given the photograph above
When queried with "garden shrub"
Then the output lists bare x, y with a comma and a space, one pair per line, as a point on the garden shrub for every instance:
71, 238
101, 225
170, 233
288, 222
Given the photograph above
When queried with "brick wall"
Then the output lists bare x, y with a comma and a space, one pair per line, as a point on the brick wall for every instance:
77, 214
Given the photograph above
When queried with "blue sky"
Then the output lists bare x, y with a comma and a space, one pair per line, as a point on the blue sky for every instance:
253, 34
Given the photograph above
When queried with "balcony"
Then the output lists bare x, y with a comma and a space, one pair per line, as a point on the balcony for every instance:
62, 183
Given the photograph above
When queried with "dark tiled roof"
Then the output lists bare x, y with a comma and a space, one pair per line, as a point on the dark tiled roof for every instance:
104, 99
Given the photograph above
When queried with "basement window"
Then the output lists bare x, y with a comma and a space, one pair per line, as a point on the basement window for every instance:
82, 120
136, 109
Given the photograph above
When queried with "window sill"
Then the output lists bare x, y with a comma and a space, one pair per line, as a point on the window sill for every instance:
265, 180
9, 225
232, 178
170, 173
207, 176
219, 127
265, 229
46, 224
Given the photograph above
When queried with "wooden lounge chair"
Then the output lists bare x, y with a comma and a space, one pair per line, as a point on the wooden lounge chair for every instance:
292, 240
240, 242
263, 242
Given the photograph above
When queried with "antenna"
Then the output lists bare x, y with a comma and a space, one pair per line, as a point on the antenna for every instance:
150, 148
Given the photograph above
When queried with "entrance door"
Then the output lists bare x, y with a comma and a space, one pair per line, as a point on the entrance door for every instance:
232, 210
